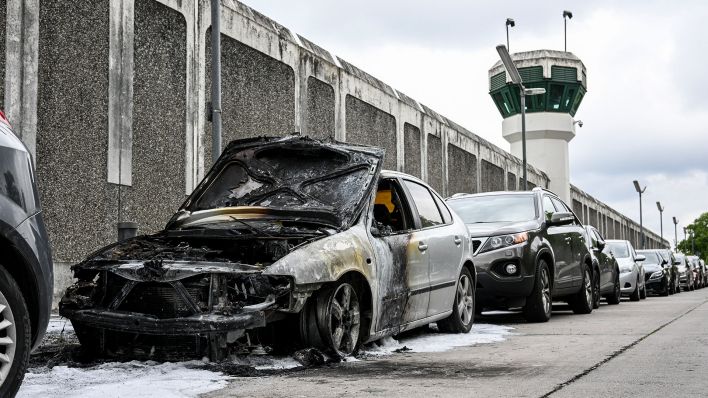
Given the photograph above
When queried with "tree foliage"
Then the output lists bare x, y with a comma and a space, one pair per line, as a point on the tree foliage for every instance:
696, 234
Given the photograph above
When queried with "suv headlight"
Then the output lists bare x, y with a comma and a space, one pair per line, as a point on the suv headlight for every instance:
501, 241
657, 275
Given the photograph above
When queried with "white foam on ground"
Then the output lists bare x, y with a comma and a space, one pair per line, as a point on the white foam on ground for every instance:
132, 379
435, 341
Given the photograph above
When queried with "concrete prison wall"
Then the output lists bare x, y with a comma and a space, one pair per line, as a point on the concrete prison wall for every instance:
110, 96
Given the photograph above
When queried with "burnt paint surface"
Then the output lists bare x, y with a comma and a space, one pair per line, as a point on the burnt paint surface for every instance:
392, 278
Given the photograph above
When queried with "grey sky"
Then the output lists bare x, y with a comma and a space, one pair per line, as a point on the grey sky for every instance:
646, 108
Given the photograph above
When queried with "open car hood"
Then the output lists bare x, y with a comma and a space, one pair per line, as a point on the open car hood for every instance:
327, 180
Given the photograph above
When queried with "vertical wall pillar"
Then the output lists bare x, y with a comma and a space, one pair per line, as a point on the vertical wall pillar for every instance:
120, 92
22, 48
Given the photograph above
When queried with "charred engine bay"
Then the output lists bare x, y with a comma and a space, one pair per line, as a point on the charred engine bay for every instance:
179, 294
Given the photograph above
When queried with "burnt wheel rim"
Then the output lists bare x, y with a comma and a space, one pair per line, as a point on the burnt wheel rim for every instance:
464, 300
588, 289
545, 291
344, 319
8, 338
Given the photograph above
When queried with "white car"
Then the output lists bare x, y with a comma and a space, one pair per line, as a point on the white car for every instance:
631, 269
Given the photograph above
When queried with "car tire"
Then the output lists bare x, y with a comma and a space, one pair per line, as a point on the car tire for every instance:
332, 320
596, 290
582, 302
539, 302
15, 335
636, 295
643, 292
614, 297
463, 307
665, 291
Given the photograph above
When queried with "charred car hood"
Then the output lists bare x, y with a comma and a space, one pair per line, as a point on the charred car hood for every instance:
327, 180
500, 228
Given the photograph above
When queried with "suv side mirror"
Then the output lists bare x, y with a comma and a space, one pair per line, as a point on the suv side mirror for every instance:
677, 263
561, 218
601, 245
640, 257
664, 262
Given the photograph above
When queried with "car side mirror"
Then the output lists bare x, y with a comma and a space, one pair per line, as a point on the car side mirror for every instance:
379, 230
664, 262
640, 257
561, 218
677, 263
600, 246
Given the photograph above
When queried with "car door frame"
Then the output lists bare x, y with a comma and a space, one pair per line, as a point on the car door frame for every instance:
396, 308
560, 247
442, 288
576, 236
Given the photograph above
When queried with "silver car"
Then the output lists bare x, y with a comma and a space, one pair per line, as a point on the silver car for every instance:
686, 274
631, 270
306, 237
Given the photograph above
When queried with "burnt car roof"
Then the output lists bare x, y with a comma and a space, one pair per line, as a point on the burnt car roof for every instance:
328, 180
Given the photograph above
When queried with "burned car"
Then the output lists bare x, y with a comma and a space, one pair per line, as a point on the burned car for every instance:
309, 238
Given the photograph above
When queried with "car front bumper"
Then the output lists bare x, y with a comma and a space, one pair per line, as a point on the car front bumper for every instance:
628, 282
494, 286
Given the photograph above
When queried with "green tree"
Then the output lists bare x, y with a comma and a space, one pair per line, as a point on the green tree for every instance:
698, 232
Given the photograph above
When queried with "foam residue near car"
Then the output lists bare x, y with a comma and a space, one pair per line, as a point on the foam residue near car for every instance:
189, 379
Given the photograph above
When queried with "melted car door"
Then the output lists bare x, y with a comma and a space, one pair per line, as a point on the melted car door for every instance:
445, 245
402, 259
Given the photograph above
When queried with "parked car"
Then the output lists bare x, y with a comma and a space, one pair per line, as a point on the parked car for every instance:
668, 256
698, 272
686, 274
657, 273
606, 274
529, 249
631, 270
292, 230
26, 274
705, 272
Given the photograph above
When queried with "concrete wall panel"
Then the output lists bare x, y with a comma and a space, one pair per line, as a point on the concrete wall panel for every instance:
159, 95
412, 149
462, 171
258, 94
434, 159
80, 207
3, 27
492, 177
320, 109
367, 124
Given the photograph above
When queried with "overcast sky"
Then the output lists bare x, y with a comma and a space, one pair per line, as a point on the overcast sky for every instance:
646, 111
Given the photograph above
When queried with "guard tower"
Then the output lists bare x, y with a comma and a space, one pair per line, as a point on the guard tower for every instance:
549, 117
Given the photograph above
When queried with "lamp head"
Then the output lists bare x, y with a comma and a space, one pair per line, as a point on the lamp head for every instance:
510, 22
567, 14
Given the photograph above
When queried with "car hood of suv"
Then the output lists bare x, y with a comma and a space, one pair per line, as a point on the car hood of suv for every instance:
327, 180
500, 228
650, 268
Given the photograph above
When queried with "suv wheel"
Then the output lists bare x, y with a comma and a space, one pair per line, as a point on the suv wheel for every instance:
463, 308
14, 335
665, 288
582, 302
596, 290
538, 303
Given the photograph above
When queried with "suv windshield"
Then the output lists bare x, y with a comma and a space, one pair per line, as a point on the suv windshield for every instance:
618, 249
490, 209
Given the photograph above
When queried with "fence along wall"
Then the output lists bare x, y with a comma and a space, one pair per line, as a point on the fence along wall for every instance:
119, 128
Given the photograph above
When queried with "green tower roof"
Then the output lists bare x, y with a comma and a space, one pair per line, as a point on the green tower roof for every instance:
561, 73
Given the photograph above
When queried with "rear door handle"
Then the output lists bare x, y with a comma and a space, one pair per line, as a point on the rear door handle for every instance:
457, 240
422, 246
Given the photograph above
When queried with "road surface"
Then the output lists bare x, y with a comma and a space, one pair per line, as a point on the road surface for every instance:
654, 348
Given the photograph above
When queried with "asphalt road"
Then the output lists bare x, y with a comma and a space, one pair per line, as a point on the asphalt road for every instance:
654, 348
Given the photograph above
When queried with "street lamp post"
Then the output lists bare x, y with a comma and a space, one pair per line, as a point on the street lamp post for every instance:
509, 22
640, 190
661, 220
523, 91
566, 16
675, 234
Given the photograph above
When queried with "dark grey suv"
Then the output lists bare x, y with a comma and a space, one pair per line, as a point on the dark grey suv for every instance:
529, 248
26, 276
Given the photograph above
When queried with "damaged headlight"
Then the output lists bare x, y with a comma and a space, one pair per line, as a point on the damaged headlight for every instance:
501, 241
